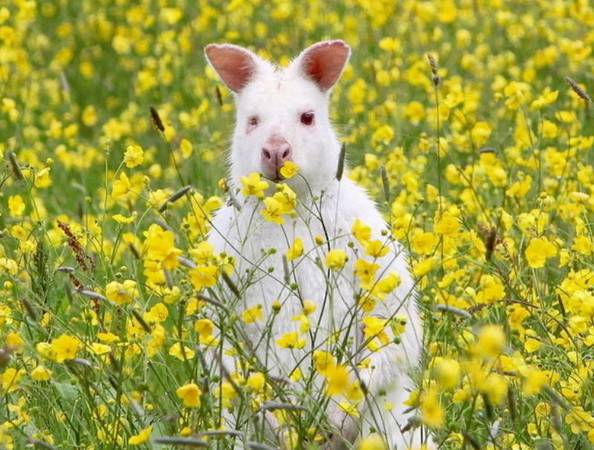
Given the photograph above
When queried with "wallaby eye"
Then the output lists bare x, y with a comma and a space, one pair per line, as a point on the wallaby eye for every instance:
307, 118
253, 122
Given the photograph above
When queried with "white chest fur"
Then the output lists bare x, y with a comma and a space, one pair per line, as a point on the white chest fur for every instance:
267, 279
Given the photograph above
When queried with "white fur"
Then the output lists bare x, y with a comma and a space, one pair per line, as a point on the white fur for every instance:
278, 96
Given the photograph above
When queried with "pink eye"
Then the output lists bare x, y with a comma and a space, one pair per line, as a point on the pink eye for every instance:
307, 118
253, 122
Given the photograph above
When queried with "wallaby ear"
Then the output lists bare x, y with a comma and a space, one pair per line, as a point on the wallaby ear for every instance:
324, 62
235, 65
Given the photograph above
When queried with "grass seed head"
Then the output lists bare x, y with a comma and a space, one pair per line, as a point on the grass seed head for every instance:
581, 93
157, 119
435, 78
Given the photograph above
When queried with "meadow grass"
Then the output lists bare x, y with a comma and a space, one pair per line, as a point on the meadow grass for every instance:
470, 122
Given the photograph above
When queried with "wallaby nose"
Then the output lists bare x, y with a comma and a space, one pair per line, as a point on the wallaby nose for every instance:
275, 152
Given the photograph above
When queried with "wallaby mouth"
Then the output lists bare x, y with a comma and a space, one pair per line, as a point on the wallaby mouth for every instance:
276, 177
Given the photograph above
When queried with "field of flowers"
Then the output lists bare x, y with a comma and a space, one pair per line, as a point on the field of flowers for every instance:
470, 122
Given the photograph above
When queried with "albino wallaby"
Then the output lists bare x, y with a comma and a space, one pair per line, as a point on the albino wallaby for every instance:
282, 115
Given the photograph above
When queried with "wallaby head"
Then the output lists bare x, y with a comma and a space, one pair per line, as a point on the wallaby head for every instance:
282, 113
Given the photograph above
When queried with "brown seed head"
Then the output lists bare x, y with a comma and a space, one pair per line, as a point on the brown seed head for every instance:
434, 69
157, 120
581, 93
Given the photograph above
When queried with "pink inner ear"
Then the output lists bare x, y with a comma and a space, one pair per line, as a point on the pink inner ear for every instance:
324, 62
234, 65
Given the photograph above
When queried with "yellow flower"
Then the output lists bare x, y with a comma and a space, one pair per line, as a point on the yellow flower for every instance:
480, 133
159, 246
304, 323
491, 340
10, 378
171, 15
186, 148
447, 224
398, 324
534, 381
204, 276
415, 112
16, 205
424, 242
158, 313
374, 331
309, 307
516, 94
296, 375
291, 340
372, 442
423, 267
538, 251
336, 259
495, 387
142, 437
123, 220
383, 135
355, 392
256, 381
349, 408
516, 315
253, 185
296, 250
461, 395
273, 211
365, 272
179, 351
121, 293
89, 116
41, 373
190, 395
121, 187
432, 414
583, 245
108, 338
205, 329
14, 342
203, 253
361, 231
100, 349
491, 291
228, 393
64, 348
43, 179
547, 97
289, 170
549, 129
252, 315
337, 379
531, 345
389, 44
386, 285
134, 156
376, 249
286, 197
323, 361
579, 420
156, 340
447, 373
158, 197
520, 188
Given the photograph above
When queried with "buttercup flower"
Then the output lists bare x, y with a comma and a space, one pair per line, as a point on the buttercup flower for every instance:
190, 395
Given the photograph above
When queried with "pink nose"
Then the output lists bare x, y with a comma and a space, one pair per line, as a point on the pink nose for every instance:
275, 152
